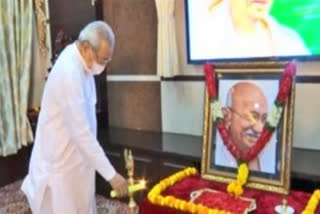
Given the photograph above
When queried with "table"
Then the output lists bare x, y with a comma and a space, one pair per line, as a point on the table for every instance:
266, 201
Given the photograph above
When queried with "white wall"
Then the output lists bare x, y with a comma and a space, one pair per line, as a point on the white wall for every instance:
182, 107
306, 133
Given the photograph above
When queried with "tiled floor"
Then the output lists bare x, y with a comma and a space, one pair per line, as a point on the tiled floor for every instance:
13, 201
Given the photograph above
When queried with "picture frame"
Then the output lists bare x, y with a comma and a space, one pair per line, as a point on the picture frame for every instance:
271, 169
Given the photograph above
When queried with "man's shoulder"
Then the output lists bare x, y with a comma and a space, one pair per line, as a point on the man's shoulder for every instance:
67, 67
66, 60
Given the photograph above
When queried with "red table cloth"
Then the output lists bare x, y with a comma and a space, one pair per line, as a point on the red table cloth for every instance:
265, 201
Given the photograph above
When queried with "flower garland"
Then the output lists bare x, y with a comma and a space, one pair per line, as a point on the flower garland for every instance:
270, 126
156, 198
312, 203
235, 187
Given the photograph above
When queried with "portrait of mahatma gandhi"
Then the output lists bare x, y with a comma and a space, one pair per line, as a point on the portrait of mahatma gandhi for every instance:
237, 120
245, 113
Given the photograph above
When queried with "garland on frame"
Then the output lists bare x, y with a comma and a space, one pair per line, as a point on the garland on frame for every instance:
272, 122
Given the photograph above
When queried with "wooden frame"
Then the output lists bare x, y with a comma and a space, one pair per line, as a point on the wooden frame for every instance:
277, 180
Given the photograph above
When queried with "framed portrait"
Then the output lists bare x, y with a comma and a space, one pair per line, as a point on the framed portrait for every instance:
247, 97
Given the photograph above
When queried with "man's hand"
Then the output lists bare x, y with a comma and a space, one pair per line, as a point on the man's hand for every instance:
120, 185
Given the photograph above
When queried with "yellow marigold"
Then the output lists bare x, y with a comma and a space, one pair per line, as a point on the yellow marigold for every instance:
312, 203
158, 199
156, 190
183, 205
181, 176
200, 209
167, 183
231, 187
162, 186
172, 181
308, 211
177, 203
243, 173
162, 201
238, 190
191, 207
193, 170
235, 187
212, 211
206, 210
168, 200
151, 199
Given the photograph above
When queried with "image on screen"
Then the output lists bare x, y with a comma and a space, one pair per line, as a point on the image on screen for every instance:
227, 30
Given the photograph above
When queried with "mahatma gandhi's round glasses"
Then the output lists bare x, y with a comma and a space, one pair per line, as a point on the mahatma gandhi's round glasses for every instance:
251, 116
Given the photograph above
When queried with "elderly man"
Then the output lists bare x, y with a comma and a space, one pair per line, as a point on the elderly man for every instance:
245, 116
66, 151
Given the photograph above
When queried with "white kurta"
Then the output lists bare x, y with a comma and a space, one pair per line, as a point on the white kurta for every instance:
66, 152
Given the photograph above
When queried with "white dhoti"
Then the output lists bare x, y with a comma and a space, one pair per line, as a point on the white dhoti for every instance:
66, 153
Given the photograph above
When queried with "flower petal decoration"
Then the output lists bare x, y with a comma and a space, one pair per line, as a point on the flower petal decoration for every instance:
216, 110
274, 116
155, 197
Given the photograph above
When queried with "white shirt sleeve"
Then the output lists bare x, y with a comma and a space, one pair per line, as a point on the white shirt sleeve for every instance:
74, 113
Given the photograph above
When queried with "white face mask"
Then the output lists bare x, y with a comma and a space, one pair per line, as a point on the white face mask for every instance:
97, 68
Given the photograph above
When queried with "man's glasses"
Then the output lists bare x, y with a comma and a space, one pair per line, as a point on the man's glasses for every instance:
251, 117
100, 60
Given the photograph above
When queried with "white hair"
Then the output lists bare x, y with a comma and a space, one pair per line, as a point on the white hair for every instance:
95, 32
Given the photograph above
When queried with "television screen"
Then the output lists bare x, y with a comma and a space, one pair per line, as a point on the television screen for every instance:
241, 30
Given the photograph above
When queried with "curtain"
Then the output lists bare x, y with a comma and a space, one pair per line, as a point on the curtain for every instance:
38, 72
43, 29
16, 20
41, 52
167, 51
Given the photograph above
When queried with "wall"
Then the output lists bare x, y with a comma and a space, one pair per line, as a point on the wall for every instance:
71, 16
133, 89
